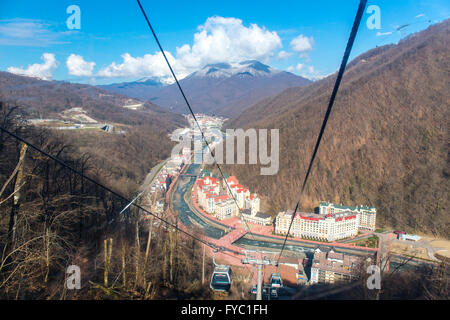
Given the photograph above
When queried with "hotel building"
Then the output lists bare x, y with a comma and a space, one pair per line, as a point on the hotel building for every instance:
329, 266
215, 198
260, 218
330, 227
367, 215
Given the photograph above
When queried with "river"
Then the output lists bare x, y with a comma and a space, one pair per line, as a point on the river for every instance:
190, 219
185, 214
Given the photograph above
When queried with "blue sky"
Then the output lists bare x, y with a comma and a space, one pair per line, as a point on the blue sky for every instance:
114, 44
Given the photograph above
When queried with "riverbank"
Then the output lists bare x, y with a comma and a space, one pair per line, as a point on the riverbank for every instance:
211, 221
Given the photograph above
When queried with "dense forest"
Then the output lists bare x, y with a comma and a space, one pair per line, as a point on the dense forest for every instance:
424, 282
51, 218
386, 143
121, 159
48, 99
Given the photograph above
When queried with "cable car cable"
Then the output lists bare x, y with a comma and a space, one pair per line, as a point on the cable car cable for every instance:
345, 58
62, 163
190, 110
408, 25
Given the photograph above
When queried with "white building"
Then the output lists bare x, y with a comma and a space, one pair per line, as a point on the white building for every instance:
225, 209
260, 218
409, 237
215, 198
243, 197
328, 227
252, 202
329, 266
368, 215
207, 189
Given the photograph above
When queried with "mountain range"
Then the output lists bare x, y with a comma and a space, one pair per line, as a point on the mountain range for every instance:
44, 99
224, 89
122, 160
386, 143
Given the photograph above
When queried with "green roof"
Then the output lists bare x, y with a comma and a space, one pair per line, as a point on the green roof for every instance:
205, 172
339, 206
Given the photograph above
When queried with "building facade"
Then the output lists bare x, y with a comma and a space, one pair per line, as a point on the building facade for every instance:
225, 209
207, 189
329, 227
368, 215
215, 198
330, 267
260, 218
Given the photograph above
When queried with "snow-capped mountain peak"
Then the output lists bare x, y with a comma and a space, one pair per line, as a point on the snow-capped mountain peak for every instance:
156, 81
219, 88
225, 70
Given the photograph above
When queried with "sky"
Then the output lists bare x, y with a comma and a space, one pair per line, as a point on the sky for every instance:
112, 42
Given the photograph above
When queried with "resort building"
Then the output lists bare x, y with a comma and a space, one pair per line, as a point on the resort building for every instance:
260, 218
215, 198
207, 188
225, 209
244, 198
329, 266
368, 215
329, 227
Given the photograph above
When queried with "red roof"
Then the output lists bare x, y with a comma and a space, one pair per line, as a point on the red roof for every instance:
232, 180
309, 218
212, 181
221, 198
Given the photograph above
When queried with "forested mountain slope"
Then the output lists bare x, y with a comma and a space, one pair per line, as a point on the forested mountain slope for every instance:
223, 89
122, 159
386, 143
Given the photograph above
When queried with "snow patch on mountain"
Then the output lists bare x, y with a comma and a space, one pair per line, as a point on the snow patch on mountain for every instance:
246, 68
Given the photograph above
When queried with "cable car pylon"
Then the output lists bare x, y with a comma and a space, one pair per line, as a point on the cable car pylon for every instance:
259, 263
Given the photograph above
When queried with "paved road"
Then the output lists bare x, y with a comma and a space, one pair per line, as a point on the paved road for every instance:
364, 236
152, 175
421, 244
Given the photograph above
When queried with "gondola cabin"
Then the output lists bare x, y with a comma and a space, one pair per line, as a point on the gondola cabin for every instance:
221, 278
276, 281
273, 293
254, 290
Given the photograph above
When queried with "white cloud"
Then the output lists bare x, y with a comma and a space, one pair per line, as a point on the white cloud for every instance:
383, 33
30, 32
149, 65
311, 73
308, 72
302, 44
44, 70
228, 40
420, 15
284, 55
219, 39
77, 66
